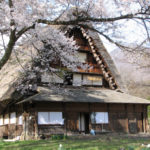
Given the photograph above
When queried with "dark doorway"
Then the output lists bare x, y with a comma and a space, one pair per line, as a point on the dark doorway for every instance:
132, 123
86, 115
84, 122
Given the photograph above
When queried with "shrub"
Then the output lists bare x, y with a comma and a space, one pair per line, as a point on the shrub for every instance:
59, 137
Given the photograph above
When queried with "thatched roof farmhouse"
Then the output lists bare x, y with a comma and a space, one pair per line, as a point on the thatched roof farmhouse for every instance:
101, 103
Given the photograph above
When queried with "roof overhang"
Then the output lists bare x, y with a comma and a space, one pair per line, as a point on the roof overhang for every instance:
85, 95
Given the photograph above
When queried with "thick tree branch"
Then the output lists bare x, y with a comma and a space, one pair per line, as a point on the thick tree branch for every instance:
9, 49
92, 19
10, 3
11, 43
13, 38
49, 22
24, 30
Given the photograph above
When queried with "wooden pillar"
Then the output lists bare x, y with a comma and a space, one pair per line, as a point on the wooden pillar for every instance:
36, 135
65, 117
147, 124
109, 120
16, 124
127, 121
90, 124
145, 119
25, 133
144, 128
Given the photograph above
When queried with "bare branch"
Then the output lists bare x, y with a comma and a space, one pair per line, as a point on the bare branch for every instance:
104, 35
146, 29
62, 13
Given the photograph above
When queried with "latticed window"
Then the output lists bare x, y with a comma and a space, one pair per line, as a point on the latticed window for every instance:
99, 117
1, 120
6, 119
20, 120
50, 118
13, 117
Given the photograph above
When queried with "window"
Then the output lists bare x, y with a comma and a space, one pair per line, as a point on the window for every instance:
20, 120
50, 118
92, 80
6, 119
53, 78
56, 118
77, 79
13, 117
82, 57
99, 117
1, 120
83, 79
43, 118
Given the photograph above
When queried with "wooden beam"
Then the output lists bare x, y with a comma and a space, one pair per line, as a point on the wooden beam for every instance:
97, 58
91, 43
107, 75
90, 39
100, 62
87, 37
93, 51
92, 47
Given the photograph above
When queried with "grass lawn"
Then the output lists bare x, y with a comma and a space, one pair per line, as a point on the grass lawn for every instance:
100, 142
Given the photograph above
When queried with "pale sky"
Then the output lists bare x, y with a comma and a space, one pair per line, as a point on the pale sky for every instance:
131, 33
1, 44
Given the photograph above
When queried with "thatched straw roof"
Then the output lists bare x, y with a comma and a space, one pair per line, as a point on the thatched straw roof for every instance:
11, 72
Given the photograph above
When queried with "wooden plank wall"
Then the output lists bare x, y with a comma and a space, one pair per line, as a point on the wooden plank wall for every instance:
85, 47
122, 117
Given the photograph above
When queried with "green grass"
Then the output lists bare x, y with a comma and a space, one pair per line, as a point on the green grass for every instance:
102, 142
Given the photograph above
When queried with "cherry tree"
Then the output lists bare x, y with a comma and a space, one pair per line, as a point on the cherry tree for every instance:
19, 17
50, 52
33, 23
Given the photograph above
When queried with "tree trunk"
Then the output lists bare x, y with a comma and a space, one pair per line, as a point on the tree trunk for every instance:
9, 49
